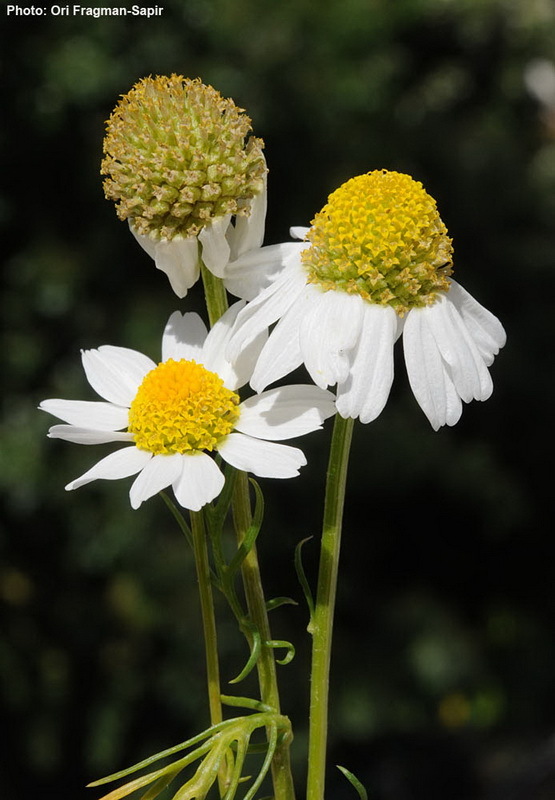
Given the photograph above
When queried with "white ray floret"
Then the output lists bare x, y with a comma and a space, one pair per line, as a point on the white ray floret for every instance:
252, 440
343, 297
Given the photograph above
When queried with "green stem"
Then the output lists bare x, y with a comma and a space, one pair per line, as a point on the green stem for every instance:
196, 536
322, 621
214, 292
208, 616
266, 666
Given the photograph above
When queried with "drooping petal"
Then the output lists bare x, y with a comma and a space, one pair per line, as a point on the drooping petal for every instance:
115, 373
487, 332
282, 352
161, 471
365, 392
184, 337
298, 232
464, 363
256, 269
215, 246
329, 331
121, 464
236, 374
88, 414
268, 306
201, 480
430, 383
285, 412
178, 258
71, 433
264, 459
248, 231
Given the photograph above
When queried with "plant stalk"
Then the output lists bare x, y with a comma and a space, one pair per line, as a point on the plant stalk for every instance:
266, 666
208, 616
321, 625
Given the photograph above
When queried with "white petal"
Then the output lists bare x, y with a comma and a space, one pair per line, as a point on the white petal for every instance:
215, 247
161, 471
184, 337
298, 232
116, 373
464, 363
256, 269
286, 412
88, 414
148, 244
329, 331
282, 352
486, 330
234, 374
430, 383
178, 258
268, 306
120, 464
70, 433
248, 231
365, 392
264, 459
200, 481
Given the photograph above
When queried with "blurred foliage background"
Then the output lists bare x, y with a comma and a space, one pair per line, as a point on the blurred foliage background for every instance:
445, 644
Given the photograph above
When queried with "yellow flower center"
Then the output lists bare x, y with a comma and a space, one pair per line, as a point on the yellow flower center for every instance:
176, 157
380, 236
181, 406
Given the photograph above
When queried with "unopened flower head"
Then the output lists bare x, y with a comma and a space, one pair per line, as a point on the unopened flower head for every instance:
176, 415
375, 265
380, 236
177, 157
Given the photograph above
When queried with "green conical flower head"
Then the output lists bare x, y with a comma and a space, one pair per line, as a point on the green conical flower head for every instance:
177, 156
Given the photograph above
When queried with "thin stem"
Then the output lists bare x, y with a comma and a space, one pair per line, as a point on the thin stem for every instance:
322, 621
266, 666
214, 293
202, 564
208, 616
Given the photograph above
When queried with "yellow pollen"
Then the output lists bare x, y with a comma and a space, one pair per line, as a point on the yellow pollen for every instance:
177, 155
380, 236
181, 406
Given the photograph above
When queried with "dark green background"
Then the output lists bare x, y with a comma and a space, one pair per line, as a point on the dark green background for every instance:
446, 597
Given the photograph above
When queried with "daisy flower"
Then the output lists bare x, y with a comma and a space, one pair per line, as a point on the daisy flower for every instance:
180, 169
376, 264
174, 416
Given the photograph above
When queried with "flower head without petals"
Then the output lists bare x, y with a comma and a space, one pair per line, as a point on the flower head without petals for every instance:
179, 164
376, 264
174, 415
177, 156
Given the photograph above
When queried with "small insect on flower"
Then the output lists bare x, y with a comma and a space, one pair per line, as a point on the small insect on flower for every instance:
176, 415
179, 165
376, 264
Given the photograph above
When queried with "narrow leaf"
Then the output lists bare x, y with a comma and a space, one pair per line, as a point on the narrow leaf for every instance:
301, 575
290, 654
362, 793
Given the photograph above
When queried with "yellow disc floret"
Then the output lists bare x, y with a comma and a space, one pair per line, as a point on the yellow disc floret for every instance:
176, 157
380, 235
181, 406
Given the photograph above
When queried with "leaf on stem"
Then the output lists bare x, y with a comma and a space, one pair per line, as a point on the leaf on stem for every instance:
276, 602
256, 648
278, 643
301, 575
362, 793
